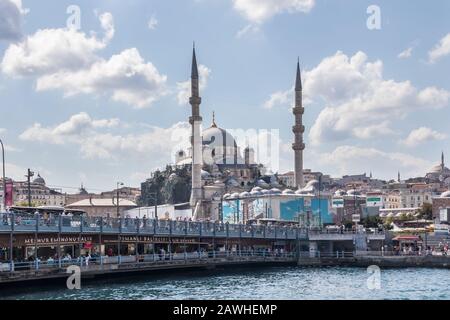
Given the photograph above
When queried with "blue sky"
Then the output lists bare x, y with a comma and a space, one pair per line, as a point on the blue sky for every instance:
71, 109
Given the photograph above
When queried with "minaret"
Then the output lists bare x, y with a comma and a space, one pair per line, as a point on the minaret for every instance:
298, 146
196, 140
442, 161
398, 178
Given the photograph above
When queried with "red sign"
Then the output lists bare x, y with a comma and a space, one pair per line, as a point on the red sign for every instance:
9, 193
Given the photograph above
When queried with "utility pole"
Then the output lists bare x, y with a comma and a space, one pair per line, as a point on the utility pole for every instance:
118, 206
4, 176
29, 175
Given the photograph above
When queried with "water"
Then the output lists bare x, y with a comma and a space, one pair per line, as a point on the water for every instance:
256, 284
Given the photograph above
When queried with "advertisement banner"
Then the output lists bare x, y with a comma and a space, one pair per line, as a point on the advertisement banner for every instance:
9, 193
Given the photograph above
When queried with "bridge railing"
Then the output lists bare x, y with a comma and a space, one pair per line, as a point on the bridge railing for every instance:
155, 258
80, 224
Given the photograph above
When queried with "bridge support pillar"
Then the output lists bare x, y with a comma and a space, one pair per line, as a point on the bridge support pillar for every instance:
313, 246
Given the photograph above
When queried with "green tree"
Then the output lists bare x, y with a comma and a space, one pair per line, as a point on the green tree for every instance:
426, 211
372, 222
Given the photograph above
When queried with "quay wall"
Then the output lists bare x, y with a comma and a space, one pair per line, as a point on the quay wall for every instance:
382, 262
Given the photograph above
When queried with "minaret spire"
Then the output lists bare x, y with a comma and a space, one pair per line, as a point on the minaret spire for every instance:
214, 125
196, 141
194, 72
298, 80
442, 160
298, 146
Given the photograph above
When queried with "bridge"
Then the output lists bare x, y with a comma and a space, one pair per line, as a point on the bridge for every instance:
38, 246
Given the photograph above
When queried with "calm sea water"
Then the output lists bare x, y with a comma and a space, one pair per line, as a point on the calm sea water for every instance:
267, 283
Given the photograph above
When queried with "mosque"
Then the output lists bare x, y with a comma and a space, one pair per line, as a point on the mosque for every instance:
439, 173
219, 167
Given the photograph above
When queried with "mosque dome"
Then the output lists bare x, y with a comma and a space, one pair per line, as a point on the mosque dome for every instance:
257, 189
288, 191
445, 194
262, 183
205, 174
39, 180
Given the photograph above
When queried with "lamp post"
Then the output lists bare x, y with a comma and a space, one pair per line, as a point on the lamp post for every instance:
4, 176
118, 207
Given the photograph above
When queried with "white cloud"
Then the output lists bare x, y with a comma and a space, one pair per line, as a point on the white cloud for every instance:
352, 160
422, 135
96, 141
279, 98
55, 50
152, 23
126, 77
79, 125
440, 50
406, 53
360, 102
11, 15
259, 11
184, 88
68, 60
248, 29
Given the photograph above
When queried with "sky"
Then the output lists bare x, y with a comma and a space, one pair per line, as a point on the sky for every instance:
96, 92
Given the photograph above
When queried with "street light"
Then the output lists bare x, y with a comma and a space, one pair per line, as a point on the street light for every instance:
118, 211
4, 177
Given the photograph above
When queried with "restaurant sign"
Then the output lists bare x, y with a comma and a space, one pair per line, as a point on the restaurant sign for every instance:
55, 240
150, 239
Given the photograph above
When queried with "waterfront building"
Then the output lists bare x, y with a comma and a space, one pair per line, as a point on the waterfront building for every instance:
441, 202
301, 207
288, 178
102, 207
128, 193
40, 193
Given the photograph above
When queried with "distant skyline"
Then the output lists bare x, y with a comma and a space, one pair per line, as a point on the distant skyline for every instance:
106, 100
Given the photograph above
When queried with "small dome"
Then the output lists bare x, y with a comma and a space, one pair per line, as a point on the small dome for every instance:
265, 192
257, 189
339, 192
234, 196
275, 190
172, 176
288, 191
226, 195
39, 180
445, 194
255, 193
262, 183
205, 174
244, 194
233, 182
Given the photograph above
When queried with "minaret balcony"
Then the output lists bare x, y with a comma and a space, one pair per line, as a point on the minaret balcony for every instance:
195, 100
195, 119
298, 110
298, 129
298, 146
